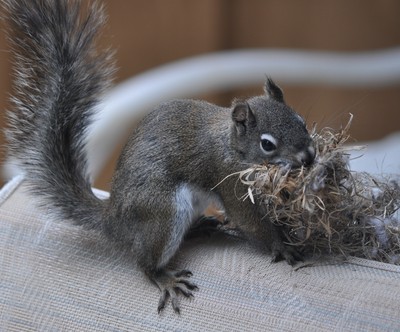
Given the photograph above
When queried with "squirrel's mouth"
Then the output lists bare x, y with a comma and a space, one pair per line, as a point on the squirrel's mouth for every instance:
306, 158
303, 158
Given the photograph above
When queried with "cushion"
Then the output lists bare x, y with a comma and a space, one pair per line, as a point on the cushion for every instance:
57, 277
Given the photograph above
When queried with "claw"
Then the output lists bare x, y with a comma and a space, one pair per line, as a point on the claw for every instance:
184, 273
184, 290
163, 300
188, 284
175, 302
172, 285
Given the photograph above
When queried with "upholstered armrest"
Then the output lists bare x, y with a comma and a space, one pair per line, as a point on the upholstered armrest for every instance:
57, 277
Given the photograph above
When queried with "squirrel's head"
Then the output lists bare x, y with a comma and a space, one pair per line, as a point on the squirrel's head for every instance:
265, 129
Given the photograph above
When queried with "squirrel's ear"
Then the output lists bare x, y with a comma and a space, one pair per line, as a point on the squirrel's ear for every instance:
242, 116
273, 91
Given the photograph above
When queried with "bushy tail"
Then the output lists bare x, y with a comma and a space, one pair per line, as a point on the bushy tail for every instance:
58, 80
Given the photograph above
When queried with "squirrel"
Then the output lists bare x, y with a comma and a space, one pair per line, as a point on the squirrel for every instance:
167, 173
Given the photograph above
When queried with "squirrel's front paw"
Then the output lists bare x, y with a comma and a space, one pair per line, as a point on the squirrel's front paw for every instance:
173, 284
290, 254
205, 226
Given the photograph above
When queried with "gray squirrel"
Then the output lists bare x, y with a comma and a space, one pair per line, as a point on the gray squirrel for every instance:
167, 173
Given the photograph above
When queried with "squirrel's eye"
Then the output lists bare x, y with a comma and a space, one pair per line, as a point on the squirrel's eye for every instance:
267, 145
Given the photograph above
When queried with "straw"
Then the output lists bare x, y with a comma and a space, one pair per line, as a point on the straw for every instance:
327, 208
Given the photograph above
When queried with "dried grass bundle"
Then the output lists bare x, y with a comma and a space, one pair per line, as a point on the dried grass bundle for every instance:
327, 208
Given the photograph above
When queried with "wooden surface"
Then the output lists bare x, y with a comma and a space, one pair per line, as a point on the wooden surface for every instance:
153, 32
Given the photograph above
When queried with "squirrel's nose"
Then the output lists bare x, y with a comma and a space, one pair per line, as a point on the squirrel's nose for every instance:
308, 157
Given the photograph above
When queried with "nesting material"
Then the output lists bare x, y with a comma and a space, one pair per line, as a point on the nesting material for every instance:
327, 208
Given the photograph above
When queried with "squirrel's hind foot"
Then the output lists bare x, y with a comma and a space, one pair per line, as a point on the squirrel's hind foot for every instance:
171, 285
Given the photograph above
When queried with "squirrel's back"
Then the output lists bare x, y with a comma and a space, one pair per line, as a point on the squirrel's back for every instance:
184, 140
58, 80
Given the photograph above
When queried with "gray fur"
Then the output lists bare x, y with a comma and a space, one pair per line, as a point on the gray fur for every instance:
190, 203
167, 171
58, 81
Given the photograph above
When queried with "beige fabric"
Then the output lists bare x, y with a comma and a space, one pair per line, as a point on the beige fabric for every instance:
56, 277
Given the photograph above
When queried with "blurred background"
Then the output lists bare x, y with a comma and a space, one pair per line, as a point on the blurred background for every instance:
146, 34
